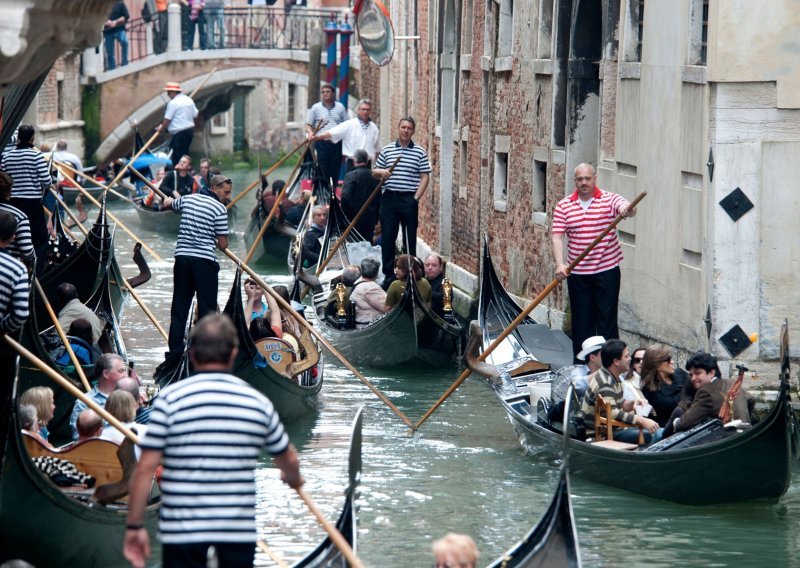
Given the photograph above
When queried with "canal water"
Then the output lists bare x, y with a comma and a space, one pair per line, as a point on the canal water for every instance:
464, 471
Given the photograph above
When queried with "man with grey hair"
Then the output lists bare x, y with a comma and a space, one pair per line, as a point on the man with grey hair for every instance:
108, 370
367, 294
358, 186
63, 155
357, 133
312, 240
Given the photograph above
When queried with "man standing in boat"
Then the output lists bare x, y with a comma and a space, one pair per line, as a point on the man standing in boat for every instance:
178, 120
359, 132
330, 112
594, 283
208, 489
203, 229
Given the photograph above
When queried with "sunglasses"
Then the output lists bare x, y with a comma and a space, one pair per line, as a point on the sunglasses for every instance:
227, 180
637, 359
667, 360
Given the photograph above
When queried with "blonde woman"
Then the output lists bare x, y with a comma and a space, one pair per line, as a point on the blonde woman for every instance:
42, 399
122, 406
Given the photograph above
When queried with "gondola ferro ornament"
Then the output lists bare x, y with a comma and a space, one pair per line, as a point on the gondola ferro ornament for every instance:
447, 290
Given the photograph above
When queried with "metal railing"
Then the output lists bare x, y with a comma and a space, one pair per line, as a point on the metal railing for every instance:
232, 28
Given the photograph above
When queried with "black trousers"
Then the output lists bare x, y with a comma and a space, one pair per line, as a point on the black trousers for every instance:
329, 157
594, 301
33, 209
191, 275
180, 144
397, 208
195, 555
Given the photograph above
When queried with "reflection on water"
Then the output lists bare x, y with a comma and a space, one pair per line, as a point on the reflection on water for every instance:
464, 472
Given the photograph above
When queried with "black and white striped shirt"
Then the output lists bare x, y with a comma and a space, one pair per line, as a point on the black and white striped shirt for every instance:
211, 429
406, 174
13, 293
22, 245
203, 218
330, 116
28, 168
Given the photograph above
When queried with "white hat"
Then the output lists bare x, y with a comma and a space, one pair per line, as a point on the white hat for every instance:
591, 345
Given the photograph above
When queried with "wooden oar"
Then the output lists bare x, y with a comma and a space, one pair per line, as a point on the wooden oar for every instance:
528, 309
332, 531
275, 206
341, 240
283, 304
274, 167
119, 223
91, 180
72, 389
62, 335
274, 557
125, 283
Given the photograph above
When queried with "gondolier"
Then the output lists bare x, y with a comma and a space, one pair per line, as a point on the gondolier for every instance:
359, 132
178, 120
203, 228
21, 247
188, 420
594, 283
402, 191
329, 112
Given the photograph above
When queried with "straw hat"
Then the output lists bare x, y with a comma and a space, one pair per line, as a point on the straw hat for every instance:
591, 345
171, 86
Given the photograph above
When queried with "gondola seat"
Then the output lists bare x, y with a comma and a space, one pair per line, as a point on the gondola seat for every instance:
604, 426
94, 457
278, 353
310, 355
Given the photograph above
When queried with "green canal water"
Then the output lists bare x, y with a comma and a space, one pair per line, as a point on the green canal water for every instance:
464, 471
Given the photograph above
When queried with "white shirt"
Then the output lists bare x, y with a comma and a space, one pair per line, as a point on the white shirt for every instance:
66, 156
355, 136
181, 113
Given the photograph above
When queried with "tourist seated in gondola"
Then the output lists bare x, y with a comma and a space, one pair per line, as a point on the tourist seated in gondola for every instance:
132, 386
179, 181
350, 276
662, 383
434, 274
122, 406
273, 323
79, 336
152, 199
455, 550
402, 265
268, 198
29, 423
367, 295
606, 383
254, 306
295, 214
710, 395
108, 369
312, 240
43, 400
590, 354
71, 308
632, 380
89, 425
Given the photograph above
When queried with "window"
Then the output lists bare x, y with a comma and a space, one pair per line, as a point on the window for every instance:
545, 47
61, 103
466, 27
698, 32
505, 28
291, 102
463, 171
539, 188
219, 123
639, 29
634, 31
500, 180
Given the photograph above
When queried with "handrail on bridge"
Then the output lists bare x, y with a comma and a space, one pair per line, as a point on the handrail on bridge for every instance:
234, 27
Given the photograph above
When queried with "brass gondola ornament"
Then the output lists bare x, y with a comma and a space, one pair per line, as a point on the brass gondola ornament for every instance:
341, 310
447, 290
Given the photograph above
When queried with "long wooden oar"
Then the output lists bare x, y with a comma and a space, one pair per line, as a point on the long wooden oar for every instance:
148, 183
62, 335
332, 531
90, 179
125, 283
274, 167
69, 213
283, 304
528, 309
274, 557
275, 206
341, 240
72, 389
119, 223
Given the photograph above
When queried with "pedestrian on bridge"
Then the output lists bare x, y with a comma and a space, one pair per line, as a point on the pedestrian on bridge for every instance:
179, 120
114, 31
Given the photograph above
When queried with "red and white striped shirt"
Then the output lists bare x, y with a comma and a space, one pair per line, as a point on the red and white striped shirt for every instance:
583, 226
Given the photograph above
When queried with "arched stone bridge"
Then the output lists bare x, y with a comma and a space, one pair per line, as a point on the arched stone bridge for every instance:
133, 93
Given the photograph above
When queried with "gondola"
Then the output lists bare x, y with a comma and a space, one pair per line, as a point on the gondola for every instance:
321, 193
326, 554
292, 397
409, 335
46, 526
709, 464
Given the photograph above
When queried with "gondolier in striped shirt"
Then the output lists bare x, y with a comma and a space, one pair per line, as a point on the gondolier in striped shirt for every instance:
594, 283
203, 229
21, 247
328, 112
28, 168
209, 431
402, 191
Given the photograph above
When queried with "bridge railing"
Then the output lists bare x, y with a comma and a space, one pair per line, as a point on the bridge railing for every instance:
234, 27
